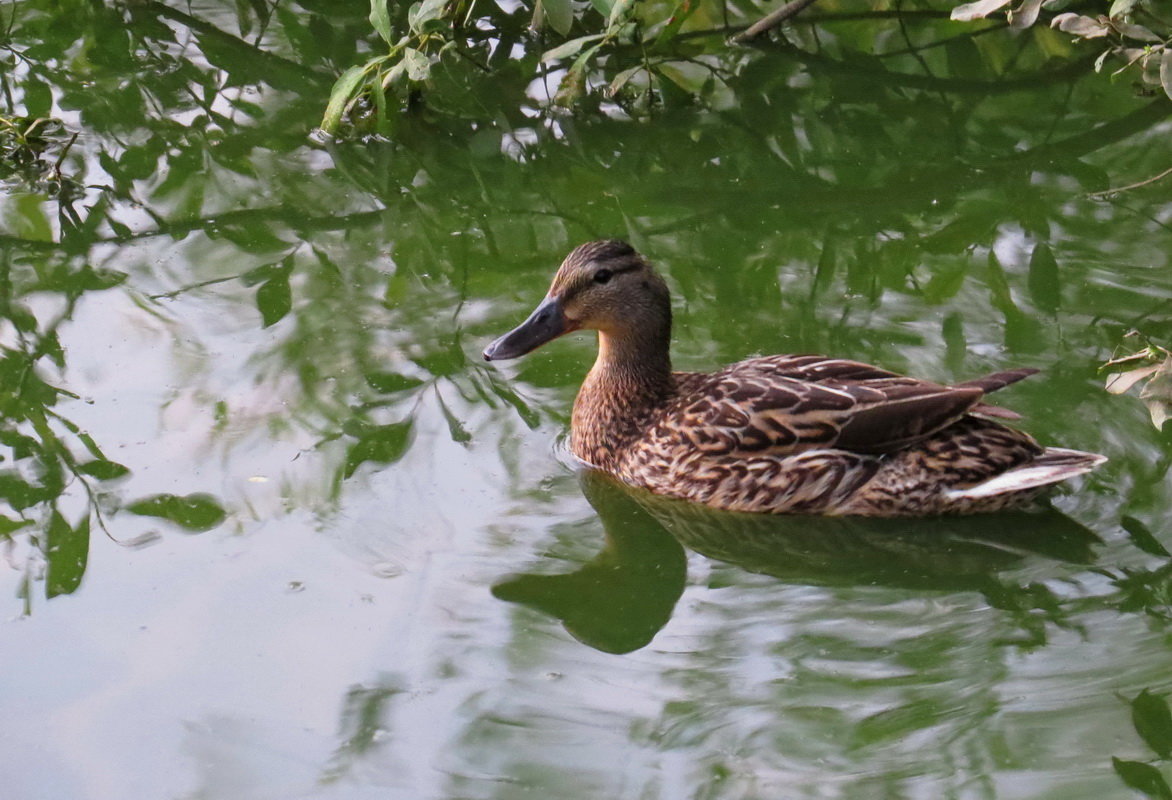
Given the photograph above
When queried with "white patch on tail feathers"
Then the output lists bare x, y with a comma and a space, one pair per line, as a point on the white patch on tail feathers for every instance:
1056, 464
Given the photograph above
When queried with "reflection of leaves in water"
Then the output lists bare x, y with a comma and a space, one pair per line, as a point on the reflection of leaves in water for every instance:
1143, 778
103, 470
391, 382
1043, 282
456, 428
1143, 538
363, 724
67, 550
381, 444
274, 298
1146, 590
195, 512
1153, 722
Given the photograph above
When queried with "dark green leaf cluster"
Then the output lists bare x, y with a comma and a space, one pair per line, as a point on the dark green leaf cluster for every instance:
636, 56
1153, 722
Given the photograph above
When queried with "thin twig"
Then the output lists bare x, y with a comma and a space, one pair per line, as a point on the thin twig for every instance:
771, 21
1128, 188
64, 153
191, 287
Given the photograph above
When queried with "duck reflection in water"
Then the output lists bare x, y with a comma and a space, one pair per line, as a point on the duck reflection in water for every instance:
626, 593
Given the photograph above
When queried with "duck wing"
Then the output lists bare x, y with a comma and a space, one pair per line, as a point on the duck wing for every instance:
790, 404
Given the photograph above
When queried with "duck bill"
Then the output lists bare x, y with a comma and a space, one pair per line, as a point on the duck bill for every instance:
546, 323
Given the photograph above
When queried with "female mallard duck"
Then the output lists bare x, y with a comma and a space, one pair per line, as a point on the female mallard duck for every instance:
780, 434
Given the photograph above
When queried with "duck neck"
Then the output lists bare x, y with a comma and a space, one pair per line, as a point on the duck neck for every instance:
629, 381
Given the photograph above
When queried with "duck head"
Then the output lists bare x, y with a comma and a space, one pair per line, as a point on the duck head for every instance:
604, 286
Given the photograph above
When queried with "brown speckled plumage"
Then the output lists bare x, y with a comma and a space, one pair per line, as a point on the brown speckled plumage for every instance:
780, 434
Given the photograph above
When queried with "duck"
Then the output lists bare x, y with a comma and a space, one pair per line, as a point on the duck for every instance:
779, 434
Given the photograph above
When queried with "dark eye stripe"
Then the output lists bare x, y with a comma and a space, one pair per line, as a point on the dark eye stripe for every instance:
621, 270
618, 271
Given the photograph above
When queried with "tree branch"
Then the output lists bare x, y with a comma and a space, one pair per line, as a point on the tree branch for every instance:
771, 21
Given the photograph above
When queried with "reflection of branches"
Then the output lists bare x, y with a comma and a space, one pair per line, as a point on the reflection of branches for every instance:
995, 28
179, 228
279, 71
190, 287
1120, 189
772, 20
955, 85
1095, 139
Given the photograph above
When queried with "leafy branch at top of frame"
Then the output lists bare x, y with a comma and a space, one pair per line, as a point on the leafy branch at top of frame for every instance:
434, 28
630, 51
1132, 29
407, 62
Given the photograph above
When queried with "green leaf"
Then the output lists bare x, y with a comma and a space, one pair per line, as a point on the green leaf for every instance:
383, 444
456, 428
380, 18
38, 98
390, 382
382, 119
1121, 8
1043, 283
418, 65
679, 15
691, 82
21, 318
1142, 537
1143, 778
9, 525
1002, 298
88, 279
19, 493
603, 7
1153, 722
621, 79
567, 49
66, 551
195, 512
344, 91
274, 298
560, 14
103, 470
945, 283
573, 85
258, 275
618, 12
423, 13
253, 238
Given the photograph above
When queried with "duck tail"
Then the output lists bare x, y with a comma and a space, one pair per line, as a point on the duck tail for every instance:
991, 383
999, 380
1054, 465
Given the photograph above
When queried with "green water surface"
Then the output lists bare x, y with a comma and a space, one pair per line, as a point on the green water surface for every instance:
272, 528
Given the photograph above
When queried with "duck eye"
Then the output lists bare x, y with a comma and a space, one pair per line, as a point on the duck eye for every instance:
602, 276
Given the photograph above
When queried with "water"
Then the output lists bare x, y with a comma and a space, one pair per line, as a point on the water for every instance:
411, 592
